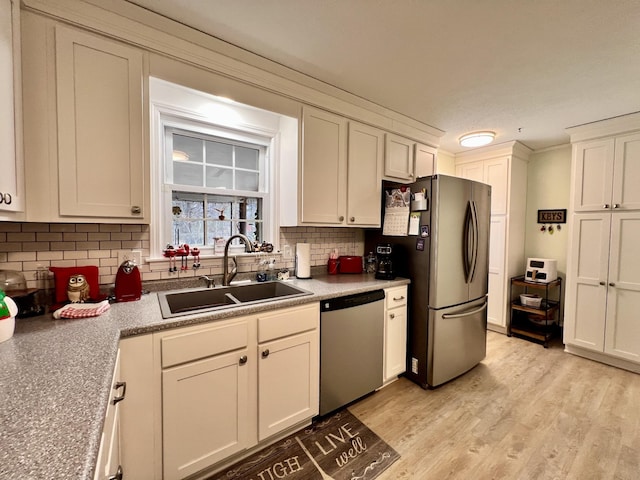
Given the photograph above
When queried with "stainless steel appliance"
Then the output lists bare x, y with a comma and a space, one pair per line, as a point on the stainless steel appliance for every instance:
446, 256
351, 348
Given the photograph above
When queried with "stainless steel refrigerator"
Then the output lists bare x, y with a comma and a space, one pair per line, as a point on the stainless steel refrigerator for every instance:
446, 256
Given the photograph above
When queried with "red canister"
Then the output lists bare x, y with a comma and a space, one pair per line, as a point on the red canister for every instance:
332, 266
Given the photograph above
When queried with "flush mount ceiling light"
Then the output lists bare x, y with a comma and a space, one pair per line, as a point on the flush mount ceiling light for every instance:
477, 139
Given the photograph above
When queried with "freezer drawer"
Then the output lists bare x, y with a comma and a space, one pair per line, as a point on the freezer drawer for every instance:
457, 340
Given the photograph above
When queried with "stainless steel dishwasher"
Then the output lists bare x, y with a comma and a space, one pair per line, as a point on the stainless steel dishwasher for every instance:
351, 348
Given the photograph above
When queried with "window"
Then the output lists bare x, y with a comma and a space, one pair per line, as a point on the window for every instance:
215, 168
218, 186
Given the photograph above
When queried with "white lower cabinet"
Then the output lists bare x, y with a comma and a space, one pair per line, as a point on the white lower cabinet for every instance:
395, 333
228, 385
108, 465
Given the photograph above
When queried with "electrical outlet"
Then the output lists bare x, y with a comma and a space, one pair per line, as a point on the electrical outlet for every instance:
414, 365
286, 250
134, 255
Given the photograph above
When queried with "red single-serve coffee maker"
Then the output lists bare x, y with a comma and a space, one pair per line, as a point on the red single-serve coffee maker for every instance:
128, 282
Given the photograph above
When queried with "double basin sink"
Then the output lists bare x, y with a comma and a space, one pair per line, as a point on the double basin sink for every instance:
173, 304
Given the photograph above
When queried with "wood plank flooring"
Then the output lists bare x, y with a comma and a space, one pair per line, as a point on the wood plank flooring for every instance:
525, 412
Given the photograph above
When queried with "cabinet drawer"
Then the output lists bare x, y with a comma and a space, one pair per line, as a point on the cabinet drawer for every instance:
288, 322
203, 342
396, 297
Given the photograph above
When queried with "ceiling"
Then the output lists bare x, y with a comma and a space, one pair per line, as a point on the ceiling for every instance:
526, 69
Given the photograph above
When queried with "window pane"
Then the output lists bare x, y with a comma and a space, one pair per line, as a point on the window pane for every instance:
187, 174
218, 209
188, 231
189, 145
219, 177
247, 181
189, 208
247, 158
218, 229
219, 153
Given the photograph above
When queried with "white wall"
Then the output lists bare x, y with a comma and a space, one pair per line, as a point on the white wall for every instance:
548, 178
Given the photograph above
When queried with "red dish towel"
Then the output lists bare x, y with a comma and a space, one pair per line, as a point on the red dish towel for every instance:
82, 310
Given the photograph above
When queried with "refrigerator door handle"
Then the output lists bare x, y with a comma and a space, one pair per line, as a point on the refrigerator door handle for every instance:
468, 313
475, 236
467, 244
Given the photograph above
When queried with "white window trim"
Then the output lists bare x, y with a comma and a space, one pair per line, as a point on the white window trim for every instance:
166, 110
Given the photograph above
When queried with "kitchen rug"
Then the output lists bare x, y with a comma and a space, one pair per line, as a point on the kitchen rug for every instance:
339, 447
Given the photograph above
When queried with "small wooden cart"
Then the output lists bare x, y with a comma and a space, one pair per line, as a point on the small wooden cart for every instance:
536, 324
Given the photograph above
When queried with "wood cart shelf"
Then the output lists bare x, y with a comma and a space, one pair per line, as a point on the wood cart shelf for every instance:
538, 324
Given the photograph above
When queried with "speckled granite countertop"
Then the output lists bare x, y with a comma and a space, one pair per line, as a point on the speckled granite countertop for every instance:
55, 376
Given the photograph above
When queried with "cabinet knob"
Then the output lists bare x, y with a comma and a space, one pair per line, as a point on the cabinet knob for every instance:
265, 353
341, 218
606, 205
616, 205
119, 474
135, 210
352, 219
123, 386
392, 315
5, 198
243, 360
612, 284
602, 283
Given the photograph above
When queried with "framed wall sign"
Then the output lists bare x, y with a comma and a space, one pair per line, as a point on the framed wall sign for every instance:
552, 216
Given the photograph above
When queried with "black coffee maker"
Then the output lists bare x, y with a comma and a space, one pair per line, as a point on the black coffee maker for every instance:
385, 271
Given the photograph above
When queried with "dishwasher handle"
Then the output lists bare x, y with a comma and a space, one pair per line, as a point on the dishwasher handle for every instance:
467, 313
350, 301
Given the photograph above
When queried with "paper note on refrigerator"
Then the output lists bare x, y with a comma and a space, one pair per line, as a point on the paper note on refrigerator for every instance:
396, 212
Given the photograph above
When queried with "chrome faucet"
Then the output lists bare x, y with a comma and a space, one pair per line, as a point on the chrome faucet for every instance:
227, 275
210, 281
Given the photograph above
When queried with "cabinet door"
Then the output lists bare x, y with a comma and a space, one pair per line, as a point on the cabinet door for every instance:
11, 194
593, 175
496, 174
496, 302
398, 158
425, 160
324, 167
100, 126
288, 382
364, 191
205, 412
626, 174
395, 343
622, 337
586, 299
108, 461
471, 171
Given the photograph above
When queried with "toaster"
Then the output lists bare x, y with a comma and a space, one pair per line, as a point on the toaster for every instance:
350, 264
541, 270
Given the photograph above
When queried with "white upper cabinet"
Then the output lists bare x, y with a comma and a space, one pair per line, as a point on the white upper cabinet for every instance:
494, 172
85, 117
364, 186
425, 160
11, 165
100, 126
340, 171
398, 158
324, 167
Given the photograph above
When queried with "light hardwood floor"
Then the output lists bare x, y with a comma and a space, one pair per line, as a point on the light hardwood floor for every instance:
525, 412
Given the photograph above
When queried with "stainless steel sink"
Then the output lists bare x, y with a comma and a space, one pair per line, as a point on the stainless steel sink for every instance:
173, 304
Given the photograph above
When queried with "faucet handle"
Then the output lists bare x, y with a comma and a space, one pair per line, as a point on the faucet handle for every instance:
210, 281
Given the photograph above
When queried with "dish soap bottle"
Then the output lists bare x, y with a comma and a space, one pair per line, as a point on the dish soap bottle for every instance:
370, 262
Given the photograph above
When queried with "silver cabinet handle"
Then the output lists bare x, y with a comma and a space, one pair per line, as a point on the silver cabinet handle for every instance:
123, 386
119, 474
135, 210
265, 353
1, 197
606, 205
243, 360
397, 299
